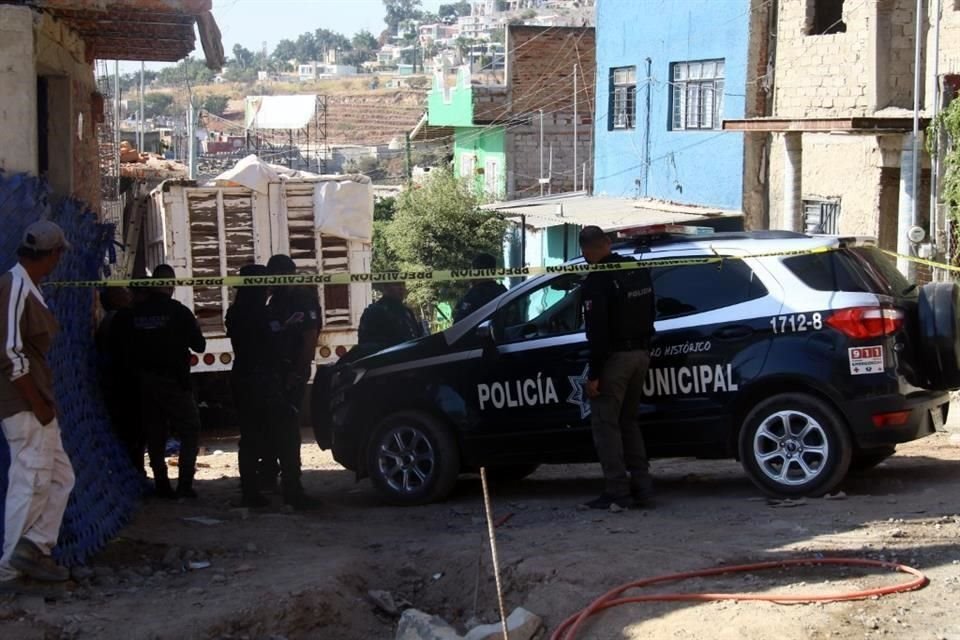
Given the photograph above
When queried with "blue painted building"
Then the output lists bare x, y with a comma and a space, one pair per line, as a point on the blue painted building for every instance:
668, 73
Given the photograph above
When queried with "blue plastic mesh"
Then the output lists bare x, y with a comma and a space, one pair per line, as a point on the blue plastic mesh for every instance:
107, 491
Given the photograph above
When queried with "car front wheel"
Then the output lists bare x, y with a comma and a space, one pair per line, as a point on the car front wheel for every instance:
795, 445
413, 459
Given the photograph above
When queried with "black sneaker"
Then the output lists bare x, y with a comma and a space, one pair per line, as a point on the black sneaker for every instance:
608, 501
164, 491
186, 491
642, 497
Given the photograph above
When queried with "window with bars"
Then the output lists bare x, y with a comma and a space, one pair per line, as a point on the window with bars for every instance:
697, 95
822, 215
623, 98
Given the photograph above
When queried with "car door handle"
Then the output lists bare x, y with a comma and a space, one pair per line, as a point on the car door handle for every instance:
577, 356
734, 332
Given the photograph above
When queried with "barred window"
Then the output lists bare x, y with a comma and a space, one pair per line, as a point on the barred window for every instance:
623, 98
697, 95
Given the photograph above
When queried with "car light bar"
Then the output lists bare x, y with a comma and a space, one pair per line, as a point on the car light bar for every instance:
665, 229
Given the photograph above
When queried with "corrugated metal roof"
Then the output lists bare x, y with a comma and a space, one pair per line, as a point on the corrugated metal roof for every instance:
607, 213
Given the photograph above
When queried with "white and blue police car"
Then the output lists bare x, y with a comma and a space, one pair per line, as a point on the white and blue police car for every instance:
802, 356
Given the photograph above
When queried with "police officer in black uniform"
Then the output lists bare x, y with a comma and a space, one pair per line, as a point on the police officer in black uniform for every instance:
161, 335
388, 321
481, 292
295, 322
254, 381
619, 314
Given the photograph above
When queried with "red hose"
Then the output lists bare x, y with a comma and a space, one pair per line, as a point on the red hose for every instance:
572, 625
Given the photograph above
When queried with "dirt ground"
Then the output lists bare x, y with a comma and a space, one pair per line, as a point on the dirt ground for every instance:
275, 574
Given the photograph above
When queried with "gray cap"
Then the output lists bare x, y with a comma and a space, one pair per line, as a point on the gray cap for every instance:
44, 235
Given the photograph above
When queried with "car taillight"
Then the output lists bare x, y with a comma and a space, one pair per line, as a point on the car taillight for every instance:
226, 358
194, 360
866, 322
325, 352
893, 419
208, 359
341, 351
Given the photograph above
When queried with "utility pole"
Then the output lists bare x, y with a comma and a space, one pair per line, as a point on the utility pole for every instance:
935, 158
575, 127
646, 134
191, 141
911, 271
409, 159
141, 128
541, 152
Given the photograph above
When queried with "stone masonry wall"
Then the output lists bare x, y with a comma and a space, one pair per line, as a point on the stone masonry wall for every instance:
822, 75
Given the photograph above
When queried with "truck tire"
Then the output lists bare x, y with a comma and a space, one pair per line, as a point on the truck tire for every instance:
938, 307
795, 444
413, 459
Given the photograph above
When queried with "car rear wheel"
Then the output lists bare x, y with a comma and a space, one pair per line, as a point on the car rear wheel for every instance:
939, 315
795, 445
413, 459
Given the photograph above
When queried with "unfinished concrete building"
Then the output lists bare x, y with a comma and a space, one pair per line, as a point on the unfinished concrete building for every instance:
841, 80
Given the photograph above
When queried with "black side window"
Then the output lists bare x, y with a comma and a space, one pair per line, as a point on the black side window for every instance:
685, 290
832, 271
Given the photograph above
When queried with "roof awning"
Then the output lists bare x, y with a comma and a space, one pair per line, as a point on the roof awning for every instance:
149, 30
862, 125
610, 214
280, 112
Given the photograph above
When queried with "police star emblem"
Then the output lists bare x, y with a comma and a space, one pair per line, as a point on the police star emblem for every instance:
578, 394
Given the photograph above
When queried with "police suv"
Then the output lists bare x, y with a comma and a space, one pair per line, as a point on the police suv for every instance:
801, 356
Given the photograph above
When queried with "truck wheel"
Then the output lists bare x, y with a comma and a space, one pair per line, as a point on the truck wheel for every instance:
413, 459
939, 313
794, 445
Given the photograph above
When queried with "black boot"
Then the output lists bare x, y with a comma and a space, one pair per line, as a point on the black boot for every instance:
162, 486
185, 487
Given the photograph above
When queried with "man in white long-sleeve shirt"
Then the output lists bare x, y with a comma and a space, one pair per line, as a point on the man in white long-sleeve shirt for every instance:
40, 477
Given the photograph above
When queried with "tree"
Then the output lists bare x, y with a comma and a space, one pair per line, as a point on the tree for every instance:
242, 56
215, 104
284, 52
440, 226
364, 41
384, 259
154, 104
399, 11
326, 40
946, 128
188, 70
454, 10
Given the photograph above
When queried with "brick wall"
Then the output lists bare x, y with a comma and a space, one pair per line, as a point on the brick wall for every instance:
540, 65
491, 103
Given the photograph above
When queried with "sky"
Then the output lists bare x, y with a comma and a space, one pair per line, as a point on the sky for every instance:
251, 22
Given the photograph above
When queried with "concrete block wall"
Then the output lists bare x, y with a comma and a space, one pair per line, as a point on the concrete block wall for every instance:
540, 68
18, 99
523, 154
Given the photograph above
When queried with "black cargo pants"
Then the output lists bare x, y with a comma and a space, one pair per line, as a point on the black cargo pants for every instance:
164, 403
616, 425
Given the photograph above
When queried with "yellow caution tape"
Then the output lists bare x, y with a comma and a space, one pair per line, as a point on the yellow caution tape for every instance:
924, 261
441, 275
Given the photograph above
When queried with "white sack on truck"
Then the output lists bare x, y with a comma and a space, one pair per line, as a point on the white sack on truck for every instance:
344, 208
253, 173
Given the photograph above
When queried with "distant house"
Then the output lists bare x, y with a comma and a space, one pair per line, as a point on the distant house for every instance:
513, 129
321, 70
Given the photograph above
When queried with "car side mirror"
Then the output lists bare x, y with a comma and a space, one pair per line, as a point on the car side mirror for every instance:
486, 334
